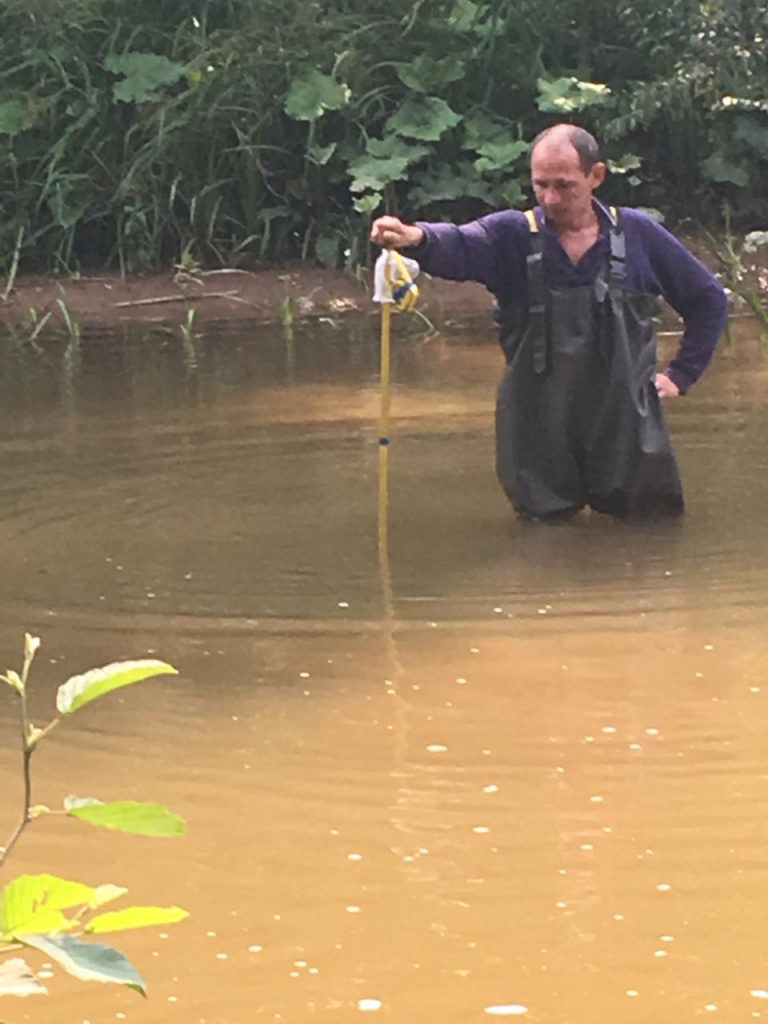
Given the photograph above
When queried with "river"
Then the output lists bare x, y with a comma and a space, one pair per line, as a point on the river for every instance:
485, 769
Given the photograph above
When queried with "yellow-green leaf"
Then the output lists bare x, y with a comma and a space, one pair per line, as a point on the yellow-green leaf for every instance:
127, 816
82, 689
34, 903
134, 917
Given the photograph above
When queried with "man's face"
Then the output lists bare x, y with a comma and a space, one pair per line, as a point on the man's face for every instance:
563, 190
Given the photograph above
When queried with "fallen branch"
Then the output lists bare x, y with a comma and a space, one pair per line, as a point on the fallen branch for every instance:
178, 298
183, 276
226, 270
234, 297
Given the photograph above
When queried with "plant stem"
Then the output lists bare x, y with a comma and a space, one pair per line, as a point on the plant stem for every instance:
758, 306
26, 752
14, 266
27, 749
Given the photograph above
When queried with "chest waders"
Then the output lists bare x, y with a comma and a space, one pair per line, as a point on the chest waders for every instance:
578, 418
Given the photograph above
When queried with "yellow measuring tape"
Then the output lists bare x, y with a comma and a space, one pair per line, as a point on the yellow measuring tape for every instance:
405, 295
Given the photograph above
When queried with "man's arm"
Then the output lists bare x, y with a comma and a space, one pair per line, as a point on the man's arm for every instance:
693, 292
472, 252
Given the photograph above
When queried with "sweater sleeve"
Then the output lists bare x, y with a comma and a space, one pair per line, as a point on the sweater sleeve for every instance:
479, 251
694, 293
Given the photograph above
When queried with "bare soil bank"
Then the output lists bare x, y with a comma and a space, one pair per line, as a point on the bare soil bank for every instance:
108, 299
267, 294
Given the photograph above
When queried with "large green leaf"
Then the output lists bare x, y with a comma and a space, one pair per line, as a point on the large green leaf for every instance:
143, 73
368, 204
718, 167
17, 114
88, 961
393, 147
322, 154
387, 160
466, 16
426, 74
511, 192
564, 95
368, 173
479, 129
312, 93
12, 117
452, 182
18, 979
423, 117
134, 917
628, 162
32, 903
497, 156
80, 690
127, 816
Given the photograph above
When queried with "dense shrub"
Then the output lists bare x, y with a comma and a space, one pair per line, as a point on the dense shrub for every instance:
136, 135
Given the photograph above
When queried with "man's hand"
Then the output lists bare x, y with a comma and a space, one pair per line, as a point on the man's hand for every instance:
665, 387
391, 231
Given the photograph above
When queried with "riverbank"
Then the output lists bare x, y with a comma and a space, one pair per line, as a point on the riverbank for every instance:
271, 295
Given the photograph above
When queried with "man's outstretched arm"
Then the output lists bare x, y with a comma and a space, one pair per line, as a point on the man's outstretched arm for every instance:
470, 252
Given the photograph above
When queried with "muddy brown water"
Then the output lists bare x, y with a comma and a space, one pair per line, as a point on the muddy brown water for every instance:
514, 769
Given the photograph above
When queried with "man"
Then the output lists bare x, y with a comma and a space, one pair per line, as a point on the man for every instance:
578, 416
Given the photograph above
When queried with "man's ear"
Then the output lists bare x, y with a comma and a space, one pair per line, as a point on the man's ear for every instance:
598, 172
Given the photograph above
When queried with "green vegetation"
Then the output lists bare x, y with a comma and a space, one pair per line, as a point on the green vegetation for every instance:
223, 132
743, 279
47, 913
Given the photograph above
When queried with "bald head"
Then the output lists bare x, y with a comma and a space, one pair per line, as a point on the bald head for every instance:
565, 171
569, 136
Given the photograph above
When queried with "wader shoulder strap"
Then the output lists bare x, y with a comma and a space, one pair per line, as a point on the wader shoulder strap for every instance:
618, 256
610, 283
538, 321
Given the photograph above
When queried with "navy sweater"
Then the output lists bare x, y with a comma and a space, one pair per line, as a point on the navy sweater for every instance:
493, 249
